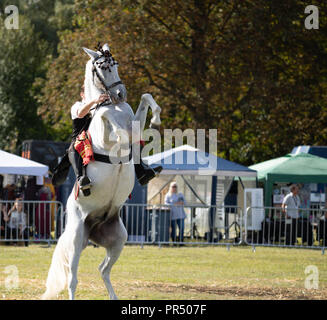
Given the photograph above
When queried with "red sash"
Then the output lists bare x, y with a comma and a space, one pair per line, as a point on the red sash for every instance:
83, 145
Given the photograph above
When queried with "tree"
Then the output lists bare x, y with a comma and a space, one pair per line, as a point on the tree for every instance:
47, 16
248, 68
22, 59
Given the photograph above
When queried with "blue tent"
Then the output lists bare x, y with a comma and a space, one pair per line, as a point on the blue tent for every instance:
186, 160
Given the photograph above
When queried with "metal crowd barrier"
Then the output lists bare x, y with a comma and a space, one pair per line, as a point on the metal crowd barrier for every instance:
269, 226
145, 224
207, 225
40, 221
153, 224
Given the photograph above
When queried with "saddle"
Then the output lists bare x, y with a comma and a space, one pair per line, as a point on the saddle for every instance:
83, 146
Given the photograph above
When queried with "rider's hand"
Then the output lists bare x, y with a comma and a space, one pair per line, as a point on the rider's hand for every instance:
102, 98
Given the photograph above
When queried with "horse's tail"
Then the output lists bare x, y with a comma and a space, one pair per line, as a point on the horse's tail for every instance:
58, 272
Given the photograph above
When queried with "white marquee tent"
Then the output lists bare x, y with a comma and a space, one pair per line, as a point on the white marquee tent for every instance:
12, 164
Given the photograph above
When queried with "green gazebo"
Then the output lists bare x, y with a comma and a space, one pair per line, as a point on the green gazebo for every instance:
296, 168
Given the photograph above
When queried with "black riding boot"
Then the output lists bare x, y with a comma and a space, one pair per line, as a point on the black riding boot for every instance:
80, 171
144, 173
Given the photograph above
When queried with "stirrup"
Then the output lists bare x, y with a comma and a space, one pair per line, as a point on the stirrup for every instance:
85, 185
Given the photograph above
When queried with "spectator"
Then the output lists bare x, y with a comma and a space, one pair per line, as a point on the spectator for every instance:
42, 214
3, 215
304, 194
290, 207
9, 192
176, 200
31, 194
49, 185
2, 208
304, 223
16, 218
1, 187
322, 227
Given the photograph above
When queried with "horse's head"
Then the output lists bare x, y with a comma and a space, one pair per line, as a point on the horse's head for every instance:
105, 76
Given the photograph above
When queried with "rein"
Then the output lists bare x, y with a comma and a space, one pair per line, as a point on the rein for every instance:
95, 71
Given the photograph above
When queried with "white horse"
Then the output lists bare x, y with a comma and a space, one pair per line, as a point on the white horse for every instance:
96, 217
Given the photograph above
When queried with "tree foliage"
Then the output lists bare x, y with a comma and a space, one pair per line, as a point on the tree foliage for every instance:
20, 64
47, 16
25, 54
248, 68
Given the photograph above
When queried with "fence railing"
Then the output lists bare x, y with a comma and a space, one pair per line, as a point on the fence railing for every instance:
34, 221
164, 224
270, 226
44, 221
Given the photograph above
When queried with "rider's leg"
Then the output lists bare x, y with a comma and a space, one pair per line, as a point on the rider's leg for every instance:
144, 173
80, 171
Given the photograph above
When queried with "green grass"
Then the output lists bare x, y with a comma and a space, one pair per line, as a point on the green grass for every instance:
175, 273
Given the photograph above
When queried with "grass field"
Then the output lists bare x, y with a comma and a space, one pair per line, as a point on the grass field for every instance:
174, 273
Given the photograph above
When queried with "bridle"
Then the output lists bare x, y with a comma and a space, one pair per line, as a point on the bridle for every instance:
97, 156
105, 86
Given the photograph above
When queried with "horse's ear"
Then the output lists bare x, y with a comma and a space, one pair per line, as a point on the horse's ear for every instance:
92, 54
106, 47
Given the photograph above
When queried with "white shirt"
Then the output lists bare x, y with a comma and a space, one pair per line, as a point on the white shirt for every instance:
17, 219
75, 109
177, 212
292, 203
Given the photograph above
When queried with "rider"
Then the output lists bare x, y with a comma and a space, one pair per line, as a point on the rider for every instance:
81, 119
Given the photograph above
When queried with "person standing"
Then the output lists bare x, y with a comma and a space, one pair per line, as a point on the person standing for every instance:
290, 207
16, 218
305, 220
176, 201
42, 214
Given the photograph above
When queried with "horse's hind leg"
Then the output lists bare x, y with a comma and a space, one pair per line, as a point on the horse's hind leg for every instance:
105, 268
114, 244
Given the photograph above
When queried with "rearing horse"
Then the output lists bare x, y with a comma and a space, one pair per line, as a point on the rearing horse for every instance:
97, 217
